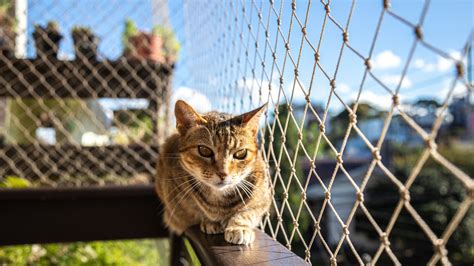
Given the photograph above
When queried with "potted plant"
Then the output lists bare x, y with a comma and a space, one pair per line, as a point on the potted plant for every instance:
170, 46
142, 45
130, 30
7, 30
47, 40
85, 43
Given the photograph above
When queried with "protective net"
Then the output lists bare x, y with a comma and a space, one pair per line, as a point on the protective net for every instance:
367, 134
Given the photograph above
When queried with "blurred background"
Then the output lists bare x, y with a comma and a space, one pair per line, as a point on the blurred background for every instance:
368, 133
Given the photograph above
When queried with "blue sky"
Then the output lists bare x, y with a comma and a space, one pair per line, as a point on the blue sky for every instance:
446, 26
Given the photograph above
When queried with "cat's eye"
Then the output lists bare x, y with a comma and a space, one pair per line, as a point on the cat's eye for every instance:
240, 154
205, 151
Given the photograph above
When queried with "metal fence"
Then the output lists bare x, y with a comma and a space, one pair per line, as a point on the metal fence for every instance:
366, 135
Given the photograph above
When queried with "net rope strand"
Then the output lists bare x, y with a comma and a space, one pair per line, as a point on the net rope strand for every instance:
242, 54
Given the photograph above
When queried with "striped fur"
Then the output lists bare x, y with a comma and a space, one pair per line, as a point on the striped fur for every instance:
221, 193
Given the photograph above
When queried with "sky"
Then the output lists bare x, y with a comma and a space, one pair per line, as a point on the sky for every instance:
214, 73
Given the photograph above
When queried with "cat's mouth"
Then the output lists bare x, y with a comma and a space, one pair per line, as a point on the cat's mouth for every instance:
223, 185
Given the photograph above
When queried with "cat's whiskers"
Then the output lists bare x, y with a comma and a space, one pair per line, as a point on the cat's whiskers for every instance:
189, 189
180, 186
247, 190
240, 195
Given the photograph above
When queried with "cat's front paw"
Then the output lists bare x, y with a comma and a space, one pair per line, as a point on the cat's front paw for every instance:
211, 227
239, 235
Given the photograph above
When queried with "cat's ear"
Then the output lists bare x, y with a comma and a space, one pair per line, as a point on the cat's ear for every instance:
186, 117
250, 120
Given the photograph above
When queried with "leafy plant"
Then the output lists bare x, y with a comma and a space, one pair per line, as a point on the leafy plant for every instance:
15, 182
133, 252
171, 45
130, 30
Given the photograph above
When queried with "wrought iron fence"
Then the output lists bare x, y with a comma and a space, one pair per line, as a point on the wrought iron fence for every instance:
367, 133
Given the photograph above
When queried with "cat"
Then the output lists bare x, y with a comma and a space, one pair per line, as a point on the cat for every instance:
211, 173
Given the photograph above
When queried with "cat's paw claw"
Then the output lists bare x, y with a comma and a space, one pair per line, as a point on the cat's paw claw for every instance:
211, 228
241, 235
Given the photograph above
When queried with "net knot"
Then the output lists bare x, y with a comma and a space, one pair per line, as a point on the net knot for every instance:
293, 5
431, 144
345, 36
274, 56
285, 195
405, 194
339, 158
307, 254
333, 261
279, 219
303, 30
303, 195
281, 80
376, 154
396, 100
278, 22
290, 108
316, 56
311, 163
307, 98
471, 190
386, 4
384, 239
295, 223
360, 196
440, 248
296, 72
345, 230
322, 128
368, 63
316, 226
287, 46
300, 135
352, 118
283, 139
267, 34
419, 32
327, 195
327, 8
459, 69
333, 84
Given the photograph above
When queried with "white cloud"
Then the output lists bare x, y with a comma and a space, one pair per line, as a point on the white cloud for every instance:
382, 101
300, 91
385, 60
441, 65
197, 100
421, 64
444, 64
343, 88
394, 80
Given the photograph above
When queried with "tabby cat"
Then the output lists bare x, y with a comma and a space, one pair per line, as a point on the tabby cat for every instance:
211, 173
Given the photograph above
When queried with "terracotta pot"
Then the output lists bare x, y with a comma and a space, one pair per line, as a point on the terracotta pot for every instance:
146, 46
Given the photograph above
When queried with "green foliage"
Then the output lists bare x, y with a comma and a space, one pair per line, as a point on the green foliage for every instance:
142, 252
192, 254
130, 30
340, 122
436, 195
290, 140
171, 46
15, 182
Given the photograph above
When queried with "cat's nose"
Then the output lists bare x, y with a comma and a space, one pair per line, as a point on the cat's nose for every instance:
222, 175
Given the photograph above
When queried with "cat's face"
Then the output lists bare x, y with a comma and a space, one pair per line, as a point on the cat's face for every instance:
217, 149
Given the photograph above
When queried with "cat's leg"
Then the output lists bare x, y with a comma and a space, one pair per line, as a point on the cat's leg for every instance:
239, 229
210, 227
